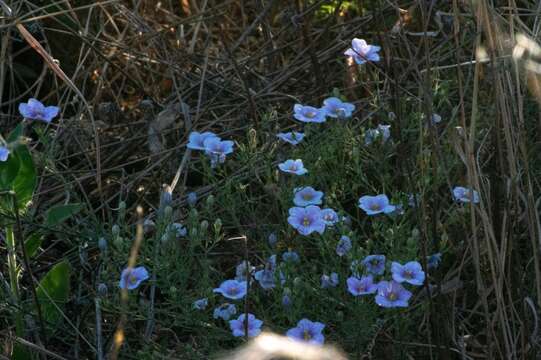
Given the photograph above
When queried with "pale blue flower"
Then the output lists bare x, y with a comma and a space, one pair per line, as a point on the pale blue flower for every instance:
328, 281
382, 132
329, 216
177, 229
308, 114
4, 153
344, 245
374, 264
293, 137
35, 110
307, 331
286, 300
436, 119
225, 311
232, 289
392, 294
192, 198
242, 269
200, 304
217, 149
293, 167
238, 326
464, 195
363, 286
374, 205
362, 52
196, 140
306, 220
307, 196
131, 278
411, 272
335, 108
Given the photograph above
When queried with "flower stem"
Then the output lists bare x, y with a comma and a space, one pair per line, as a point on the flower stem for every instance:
13, 277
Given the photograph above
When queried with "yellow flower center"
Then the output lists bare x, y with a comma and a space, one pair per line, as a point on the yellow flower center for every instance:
307, 335
307, 196
306, 221
310, 114
392, 296
375, 207
132, 279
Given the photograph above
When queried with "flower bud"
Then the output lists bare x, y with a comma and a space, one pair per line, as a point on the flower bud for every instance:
102, 290
148, 226
102, 244
210, 200
217, 225
118, 241
122, 210
115, 230
192, 198
168, 212
204, 226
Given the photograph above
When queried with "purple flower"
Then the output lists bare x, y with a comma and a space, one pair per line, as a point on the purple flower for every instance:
291, 137
225, 311
232, 289
382, 132
344, 245
433, 261
4, 153
464, 195
392, 294
238, 326
329, 281
411, 272
335, 108
374, 205
307, 196
35, 110
196, 140
361, 52
329, 216
306, 220
308, 114
200, 304
290, 256
308, 331
293, 167
374, 264
363, 286
131, 278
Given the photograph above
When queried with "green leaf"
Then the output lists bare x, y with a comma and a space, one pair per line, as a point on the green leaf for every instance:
8, 171
53, 290
26, 180
60, 213
32, 244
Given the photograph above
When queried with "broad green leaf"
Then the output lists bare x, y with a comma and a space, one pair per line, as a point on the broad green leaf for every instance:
26, 180
8, 171
60, 213
20, 353
54, 286
32, 244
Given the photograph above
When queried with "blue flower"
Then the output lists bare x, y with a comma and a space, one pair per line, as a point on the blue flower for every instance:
200, 304
307, 196
433, 261
411, 272
306, 220
362, 286
286, 300
272, 239
436, 119
131, 278
241, 270
392, 294
192, 198
329, 216
293, 167
308, 114
374, 264
335, 108
329, 281
293, 137
35, 110
265, 278
290, 256
232, 289
238, 326
464, 195
196, 140
361, 52
374, 205
217, 149
177, 229
382, 132
4, 153
225, 311
307, 331
344, 245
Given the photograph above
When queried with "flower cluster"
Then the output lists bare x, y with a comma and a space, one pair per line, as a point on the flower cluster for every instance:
216, 148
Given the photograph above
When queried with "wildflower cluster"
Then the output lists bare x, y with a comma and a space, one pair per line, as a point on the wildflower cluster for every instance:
216, 148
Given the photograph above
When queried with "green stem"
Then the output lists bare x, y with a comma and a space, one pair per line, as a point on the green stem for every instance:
13, 277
